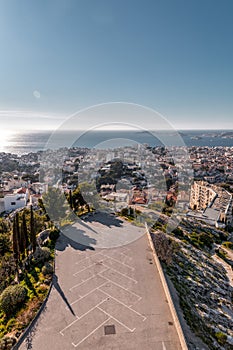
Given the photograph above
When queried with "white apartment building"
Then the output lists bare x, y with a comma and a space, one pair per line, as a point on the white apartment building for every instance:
14, 201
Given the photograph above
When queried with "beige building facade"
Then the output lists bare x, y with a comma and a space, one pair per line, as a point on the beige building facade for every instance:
214, 201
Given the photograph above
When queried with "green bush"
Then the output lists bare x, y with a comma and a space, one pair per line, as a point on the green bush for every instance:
3, 330
46, 252
10, 324
54, 234
221, 338
7, 343
206, 239
11, 297
42, 289
222, 254
47, 269
178, 232
41, 255
127, 212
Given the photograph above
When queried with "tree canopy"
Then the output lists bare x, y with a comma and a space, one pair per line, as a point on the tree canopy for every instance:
55, 204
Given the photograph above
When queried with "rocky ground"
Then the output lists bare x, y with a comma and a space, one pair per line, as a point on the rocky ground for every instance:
201, 288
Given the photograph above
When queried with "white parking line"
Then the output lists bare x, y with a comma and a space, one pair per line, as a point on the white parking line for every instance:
109, 257
76, 273
89, 278
131, 330
128, 307
74, 302
124, 253
79, 318
79, 284
78, 262
87, 257
111, 268
126, 257
75, 345
126, 289
107, 280
127, 250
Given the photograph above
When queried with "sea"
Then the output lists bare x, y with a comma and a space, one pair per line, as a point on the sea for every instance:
33, 141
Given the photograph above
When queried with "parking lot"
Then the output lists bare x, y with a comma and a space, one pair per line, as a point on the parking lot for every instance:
105, 298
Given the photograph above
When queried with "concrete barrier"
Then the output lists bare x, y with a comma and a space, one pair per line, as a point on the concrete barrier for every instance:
167, 293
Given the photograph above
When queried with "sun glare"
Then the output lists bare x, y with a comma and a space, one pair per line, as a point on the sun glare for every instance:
4, 139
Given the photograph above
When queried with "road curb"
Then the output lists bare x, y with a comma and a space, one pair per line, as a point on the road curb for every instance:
167, 293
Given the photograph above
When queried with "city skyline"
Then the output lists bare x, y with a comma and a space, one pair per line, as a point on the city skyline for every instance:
60, 57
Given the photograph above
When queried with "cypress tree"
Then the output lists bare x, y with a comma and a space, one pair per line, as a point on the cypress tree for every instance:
32, 231
22, 243
73, 203
24, 227
15, 239
20, 239
70, 199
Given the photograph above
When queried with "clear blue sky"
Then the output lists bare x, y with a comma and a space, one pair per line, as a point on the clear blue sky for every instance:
58, 56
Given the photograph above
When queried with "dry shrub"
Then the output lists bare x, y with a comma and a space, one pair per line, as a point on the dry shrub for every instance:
25, 317
165, 247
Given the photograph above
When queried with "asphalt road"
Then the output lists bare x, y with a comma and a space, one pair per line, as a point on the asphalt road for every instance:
105, 298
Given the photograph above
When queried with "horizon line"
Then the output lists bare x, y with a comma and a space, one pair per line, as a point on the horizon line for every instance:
116, 130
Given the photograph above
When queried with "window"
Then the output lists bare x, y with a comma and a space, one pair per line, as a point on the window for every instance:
13, 203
